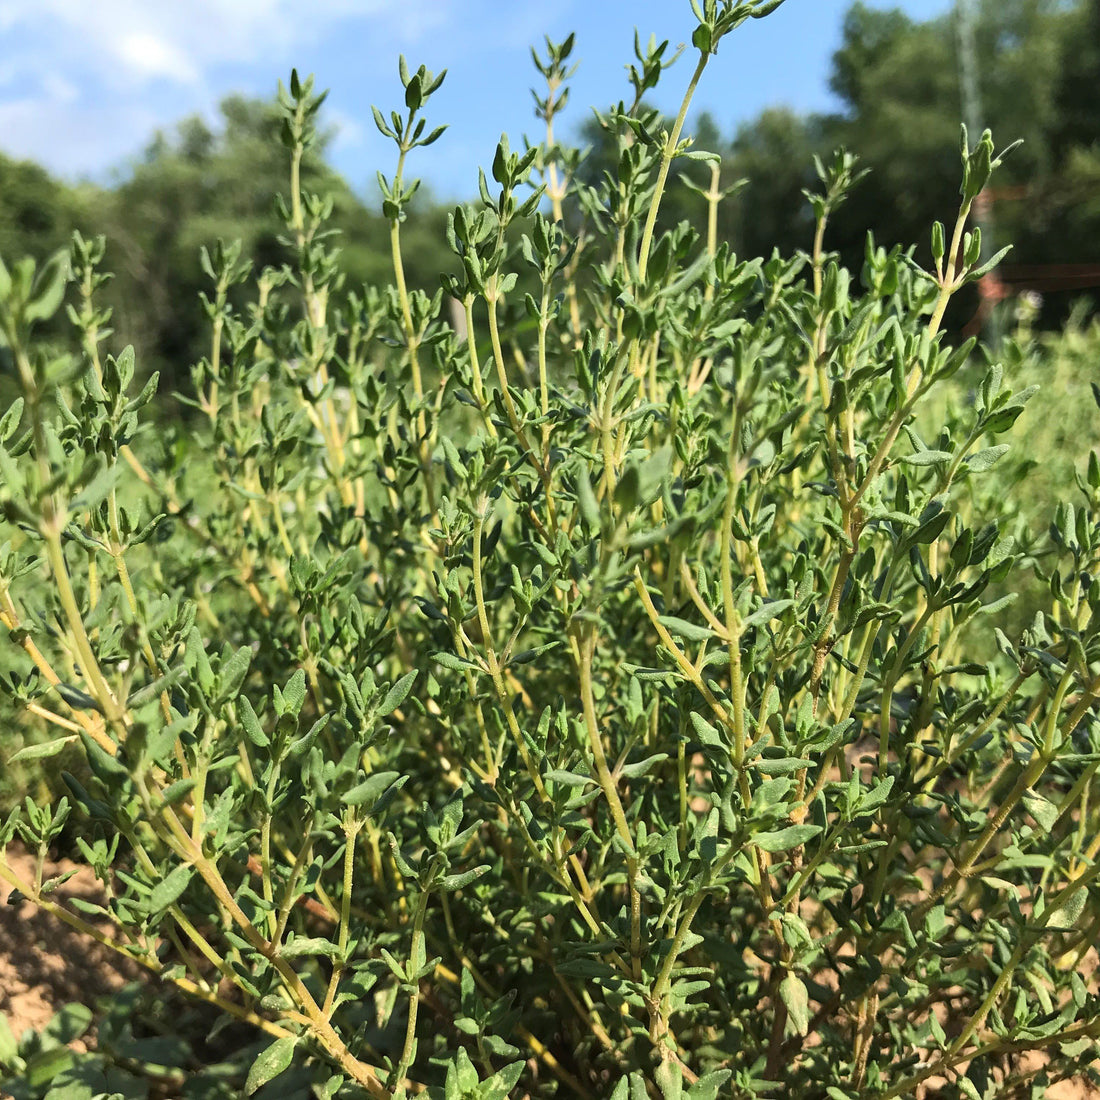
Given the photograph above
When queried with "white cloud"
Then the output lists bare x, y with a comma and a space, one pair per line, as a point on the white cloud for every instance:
58, 88
135, 41
147, 55
350, 132
118, 63
73, 141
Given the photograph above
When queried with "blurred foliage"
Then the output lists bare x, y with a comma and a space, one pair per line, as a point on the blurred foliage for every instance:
149, 1043
897, 80
190, 188
900, 102
335, 515
1038, 68
1061, 422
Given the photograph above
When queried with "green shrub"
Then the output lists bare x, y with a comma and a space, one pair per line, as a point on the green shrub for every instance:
586, 705
1061, 419
1060, 426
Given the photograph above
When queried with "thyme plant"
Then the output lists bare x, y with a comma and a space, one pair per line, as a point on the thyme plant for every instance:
605, 701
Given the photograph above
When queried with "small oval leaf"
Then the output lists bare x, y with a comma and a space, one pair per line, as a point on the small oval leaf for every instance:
43, 751
271, 1062
398, 693
167, 891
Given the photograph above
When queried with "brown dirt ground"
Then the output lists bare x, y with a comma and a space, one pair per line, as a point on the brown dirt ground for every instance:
44, 965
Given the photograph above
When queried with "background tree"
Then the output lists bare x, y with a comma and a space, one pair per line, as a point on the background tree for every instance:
899, 107
774, 155
190, 187
901, 102
35, 209
897, 80
200, 184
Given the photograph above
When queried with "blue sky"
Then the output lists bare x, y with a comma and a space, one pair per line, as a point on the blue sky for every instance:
83, 85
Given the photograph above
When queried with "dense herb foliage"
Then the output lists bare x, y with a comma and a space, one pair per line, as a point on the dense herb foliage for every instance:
589, 692
898, 99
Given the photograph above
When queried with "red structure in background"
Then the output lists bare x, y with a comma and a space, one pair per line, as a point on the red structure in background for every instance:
1010, 280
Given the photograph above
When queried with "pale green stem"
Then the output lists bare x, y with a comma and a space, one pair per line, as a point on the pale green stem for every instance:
667, 156
351, 831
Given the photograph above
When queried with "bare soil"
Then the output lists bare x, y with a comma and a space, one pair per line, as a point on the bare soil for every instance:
44, 965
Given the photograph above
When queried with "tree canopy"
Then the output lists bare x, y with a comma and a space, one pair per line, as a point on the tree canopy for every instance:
191, 187
899, 104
